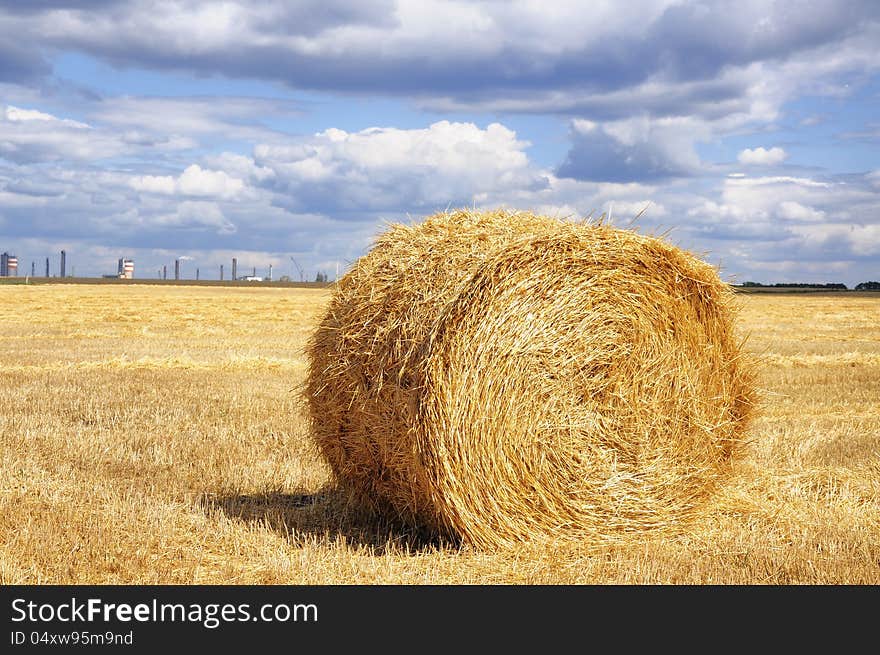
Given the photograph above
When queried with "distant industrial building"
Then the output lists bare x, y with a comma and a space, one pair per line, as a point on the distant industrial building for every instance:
8, 265
125, 269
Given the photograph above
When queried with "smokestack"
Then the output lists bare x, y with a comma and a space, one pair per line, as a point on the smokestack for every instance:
176, 269
33, 268
197, 273
221, 271
63, 263
234, 268
270, 272
47, 267
255, 271
164, 272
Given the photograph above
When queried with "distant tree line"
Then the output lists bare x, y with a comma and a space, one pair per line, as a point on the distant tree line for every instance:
802, 285
835, 286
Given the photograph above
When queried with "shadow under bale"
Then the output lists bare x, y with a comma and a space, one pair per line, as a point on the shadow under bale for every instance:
327, 514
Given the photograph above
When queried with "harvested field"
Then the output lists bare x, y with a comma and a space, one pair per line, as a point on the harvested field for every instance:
155, 434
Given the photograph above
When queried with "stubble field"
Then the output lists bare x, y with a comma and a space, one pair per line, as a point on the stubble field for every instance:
155, 434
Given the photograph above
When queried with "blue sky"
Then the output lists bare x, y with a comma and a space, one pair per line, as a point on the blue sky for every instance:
270, 130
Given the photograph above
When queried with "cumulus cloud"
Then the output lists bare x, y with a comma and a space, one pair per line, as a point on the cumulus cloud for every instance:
793, 223
194, 181
164, 184
795, 211
383, 168
762, 157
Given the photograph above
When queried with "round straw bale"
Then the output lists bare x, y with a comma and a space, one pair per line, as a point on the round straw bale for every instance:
505, 377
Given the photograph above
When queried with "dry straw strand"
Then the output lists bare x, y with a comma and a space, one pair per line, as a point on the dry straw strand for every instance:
503, 377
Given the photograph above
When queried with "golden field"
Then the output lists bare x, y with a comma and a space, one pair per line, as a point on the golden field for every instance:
155, 434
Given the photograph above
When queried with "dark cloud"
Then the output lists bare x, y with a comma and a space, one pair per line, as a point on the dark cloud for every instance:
34, 187
309, 17
371, 50
696, 40
646, 154
37, 6
20, 64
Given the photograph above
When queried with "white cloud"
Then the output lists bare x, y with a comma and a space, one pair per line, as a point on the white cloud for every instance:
19, 115
714, 211
622, 210
762, 157
863, 240
239, 166
30, 135
154, 184
759, 199
15, 114
389, 167
194, 181
197, 215
797, 212
771, 224
745, 181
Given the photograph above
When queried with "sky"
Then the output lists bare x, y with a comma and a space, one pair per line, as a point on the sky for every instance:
291, 133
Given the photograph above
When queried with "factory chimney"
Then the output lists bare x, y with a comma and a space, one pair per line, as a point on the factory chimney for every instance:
63, 263
234, 268
176, 269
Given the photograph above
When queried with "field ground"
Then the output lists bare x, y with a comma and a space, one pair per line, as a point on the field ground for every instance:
154, 434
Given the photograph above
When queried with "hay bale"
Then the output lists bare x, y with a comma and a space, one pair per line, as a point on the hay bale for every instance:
506, 377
